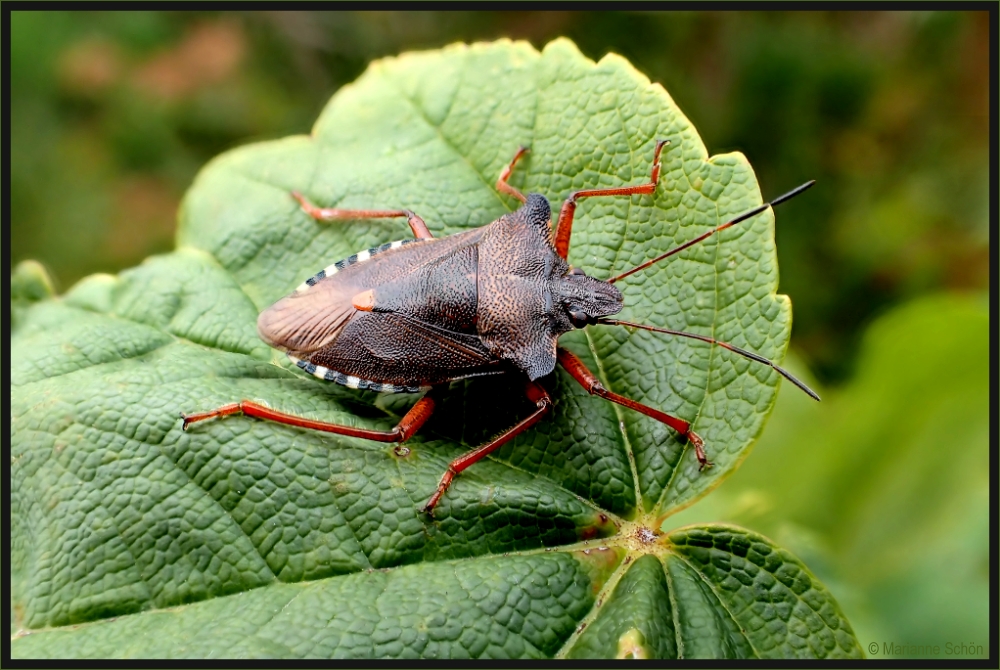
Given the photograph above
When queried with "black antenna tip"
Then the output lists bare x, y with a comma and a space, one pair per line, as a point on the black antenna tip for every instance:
812, 394
791, 194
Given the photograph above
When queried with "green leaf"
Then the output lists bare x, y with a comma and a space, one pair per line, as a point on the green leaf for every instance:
720, 592
29, 283
777, 606
517, 606
203, 541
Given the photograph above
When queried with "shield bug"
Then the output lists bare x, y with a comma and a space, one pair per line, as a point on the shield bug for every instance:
410, 316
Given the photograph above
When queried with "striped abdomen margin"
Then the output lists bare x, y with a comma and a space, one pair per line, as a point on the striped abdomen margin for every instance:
359, 257
351, 381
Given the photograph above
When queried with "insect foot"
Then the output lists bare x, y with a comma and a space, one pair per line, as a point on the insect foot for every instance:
443, 485
699, 450
225, 410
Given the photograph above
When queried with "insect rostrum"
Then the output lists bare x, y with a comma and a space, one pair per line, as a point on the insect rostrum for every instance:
410, 316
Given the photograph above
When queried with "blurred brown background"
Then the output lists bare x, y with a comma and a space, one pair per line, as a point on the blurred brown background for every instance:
112, 114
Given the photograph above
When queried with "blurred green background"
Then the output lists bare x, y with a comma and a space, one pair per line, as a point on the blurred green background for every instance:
883, 488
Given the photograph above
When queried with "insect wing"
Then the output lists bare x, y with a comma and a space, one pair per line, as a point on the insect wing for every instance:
306, 321
399, 349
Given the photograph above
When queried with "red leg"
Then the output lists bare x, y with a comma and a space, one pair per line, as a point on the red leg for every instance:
417, 224
407, 426
502, 184
575, 367
542, 401
565, 226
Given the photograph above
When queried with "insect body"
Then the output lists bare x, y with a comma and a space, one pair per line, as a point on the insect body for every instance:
408, 316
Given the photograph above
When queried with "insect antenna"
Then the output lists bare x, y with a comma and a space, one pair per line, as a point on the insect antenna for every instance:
742, 352
742, 217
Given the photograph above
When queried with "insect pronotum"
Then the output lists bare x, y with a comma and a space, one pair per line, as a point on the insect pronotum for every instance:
411, 316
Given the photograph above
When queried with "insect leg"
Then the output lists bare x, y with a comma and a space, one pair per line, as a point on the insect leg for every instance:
542, 401
502, 184
407, 426
575, 367
565, 226
417, 224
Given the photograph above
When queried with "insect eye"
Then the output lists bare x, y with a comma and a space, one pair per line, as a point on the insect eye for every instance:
578, 318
